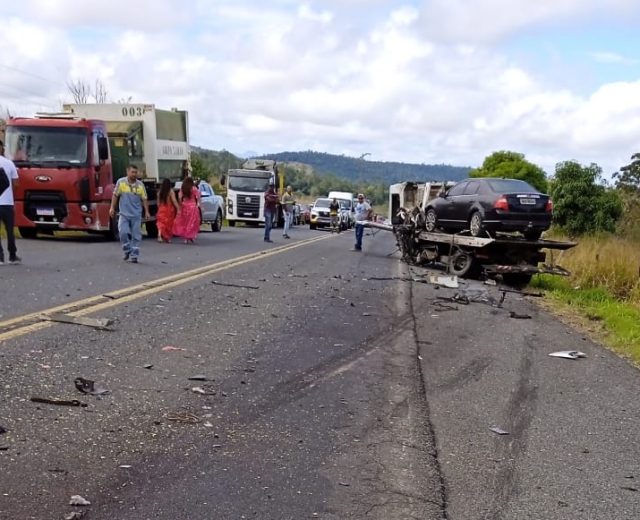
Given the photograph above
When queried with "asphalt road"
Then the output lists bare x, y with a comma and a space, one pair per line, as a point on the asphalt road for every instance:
334, 390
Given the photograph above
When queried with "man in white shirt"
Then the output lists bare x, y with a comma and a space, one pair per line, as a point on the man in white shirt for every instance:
363, 213
8, 183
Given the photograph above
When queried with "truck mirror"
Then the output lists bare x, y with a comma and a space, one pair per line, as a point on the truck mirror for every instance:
222, 180
103, 148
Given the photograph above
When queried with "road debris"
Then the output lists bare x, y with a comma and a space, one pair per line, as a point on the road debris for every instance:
568, 354
446, 281
59, 402
2, 430
86, 386
203, 391
517, 316
240, 286
499, 431
230, 333
148, 366
172, 349
74, 515
183, 417
77, 500
96, 323
245, 304
199, 377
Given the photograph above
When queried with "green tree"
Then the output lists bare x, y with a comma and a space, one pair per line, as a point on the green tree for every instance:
627, 181
512, 165
582, 202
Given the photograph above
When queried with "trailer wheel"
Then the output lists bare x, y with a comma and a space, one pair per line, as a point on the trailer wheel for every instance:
475, 224
517, 280
431, 220
461, 264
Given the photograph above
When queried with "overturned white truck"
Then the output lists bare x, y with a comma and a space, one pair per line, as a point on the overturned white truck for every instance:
515, 258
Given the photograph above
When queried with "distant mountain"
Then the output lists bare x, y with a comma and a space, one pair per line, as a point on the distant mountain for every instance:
247, 155
355, 169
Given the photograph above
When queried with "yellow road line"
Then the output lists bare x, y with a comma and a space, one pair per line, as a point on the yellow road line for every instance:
142, 290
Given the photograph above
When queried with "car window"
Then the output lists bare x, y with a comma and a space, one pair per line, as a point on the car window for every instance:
204, 189
510, 186
322, 203
472, 188
458, 189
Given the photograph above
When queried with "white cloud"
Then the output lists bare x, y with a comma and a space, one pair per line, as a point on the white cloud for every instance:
409, 82
611, 57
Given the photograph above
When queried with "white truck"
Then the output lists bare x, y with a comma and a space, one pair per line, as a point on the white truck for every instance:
246, 187
410, 195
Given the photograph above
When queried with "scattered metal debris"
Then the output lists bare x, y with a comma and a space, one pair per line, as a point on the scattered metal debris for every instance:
183, 417
499, 431
230, 333
240, 286
148, 366
476, 293
199, 377
60, 402
568, 354
517, 316
96, 323
86, 386
172, 349
77, 500
245, 304
202, 391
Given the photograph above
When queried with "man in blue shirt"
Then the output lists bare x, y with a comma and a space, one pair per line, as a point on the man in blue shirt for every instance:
131, 195
363, 213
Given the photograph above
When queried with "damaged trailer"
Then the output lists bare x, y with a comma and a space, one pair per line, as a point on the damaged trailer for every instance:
516, 259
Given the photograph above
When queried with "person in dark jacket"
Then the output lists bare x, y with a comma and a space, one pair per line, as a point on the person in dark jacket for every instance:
271, 199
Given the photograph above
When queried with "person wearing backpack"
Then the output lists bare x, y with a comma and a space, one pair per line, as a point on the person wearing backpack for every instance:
8, 183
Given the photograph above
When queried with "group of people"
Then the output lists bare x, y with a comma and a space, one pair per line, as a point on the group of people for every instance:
363, 211
177, 216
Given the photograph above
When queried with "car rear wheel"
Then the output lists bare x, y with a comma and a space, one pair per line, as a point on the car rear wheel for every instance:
476, 226
216, 225
431, 220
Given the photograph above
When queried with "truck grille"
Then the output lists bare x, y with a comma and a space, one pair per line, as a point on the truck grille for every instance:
249, 209
45, 206
324, 214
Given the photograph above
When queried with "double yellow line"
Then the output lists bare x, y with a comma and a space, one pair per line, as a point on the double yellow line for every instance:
21, 325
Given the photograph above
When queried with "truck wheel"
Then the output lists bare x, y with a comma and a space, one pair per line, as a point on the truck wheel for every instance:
216, 225
312, 226
431, 220
28, 232
113, 233
232, 223
476, 226
152, 229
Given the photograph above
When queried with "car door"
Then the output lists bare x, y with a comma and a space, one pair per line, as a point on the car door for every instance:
446, 207
464, 203
207, 203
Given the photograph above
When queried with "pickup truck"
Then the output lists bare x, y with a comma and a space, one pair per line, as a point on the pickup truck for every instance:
211, 205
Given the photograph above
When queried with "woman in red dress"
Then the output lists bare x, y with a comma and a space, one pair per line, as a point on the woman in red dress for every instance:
187, 224
168, 207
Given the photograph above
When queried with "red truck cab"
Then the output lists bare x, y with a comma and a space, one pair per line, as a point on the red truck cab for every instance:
65, 171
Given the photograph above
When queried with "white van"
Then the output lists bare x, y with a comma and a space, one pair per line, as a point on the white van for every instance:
346, 201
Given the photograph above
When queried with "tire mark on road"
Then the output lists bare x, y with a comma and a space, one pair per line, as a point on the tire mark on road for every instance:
520, 412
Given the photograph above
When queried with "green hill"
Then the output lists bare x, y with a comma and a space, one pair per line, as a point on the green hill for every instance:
355, 169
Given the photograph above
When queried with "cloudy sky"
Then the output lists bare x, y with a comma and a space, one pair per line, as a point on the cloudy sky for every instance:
417, 81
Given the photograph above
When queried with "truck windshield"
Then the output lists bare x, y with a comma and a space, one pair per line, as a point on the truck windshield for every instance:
41, 145
251, 184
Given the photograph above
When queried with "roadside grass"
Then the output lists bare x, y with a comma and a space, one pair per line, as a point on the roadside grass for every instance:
602, 294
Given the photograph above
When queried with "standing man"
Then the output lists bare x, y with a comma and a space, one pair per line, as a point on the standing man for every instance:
271, 199
8, 183
132, 196
334, 207
288, 201
363, 212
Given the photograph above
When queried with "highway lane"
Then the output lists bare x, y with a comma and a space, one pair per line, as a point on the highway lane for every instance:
60, 270
336, 397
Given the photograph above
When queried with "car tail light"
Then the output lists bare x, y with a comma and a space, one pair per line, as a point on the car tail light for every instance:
502, 203
549, 206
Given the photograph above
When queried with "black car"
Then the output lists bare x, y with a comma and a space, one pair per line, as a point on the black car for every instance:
486, 205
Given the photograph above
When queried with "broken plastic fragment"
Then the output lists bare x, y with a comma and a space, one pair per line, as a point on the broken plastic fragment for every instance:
77, 500
568, 354
86, 386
